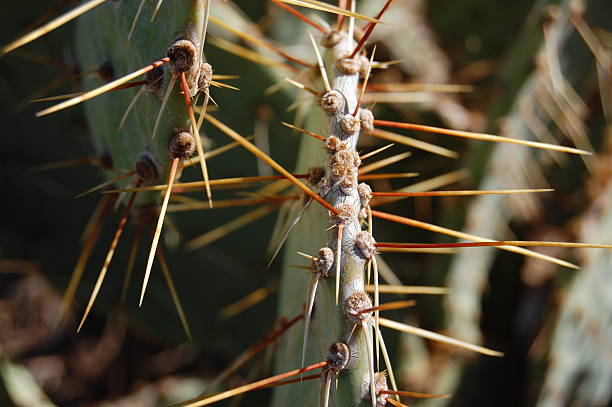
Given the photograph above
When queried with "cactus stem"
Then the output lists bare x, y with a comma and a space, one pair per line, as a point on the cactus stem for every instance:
109, 257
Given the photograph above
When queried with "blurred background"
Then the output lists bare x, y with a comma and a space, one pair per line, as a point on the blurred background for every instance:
537, 70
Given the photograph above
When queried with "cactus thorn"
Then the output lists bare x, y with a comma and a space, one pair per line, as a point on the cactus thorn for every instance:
50, 26
160, 222
107, 183
109, 257
196, 136
102, 89
480, 136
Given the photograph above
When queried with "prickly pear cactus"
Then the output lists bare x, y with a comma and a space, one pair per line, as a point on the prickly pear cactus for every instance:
151, 131
102, 38
339, 186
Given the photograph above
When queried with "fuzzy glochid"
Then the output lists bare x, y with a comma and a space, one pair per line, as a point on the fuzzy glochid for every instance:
146, 167
182, 145
366, 244
380, 385
205, 77
332, 102
354, 306
183, 56
154, 80
338, 356
325, 260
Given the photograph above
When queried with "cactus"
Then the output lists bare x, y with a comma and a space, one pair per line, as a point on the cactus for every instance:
108, 43
339, 186
154, 139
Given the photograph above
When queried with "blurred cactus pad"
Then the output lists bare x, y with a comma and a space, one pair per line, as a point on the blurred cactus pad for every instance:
411, 203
